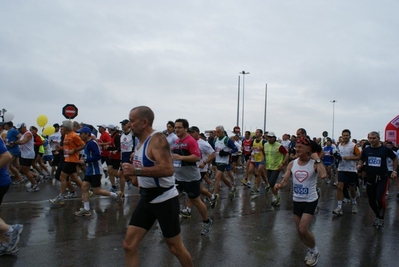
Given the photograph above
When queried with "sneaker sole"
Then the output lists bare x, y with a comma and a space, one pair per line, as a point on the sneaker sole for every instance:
61, 203
15, 250
81, 215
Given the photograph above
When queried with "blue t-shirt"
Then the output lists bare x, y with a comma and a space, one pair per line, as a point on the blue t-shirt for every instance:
12, 136
376, 159
4, 176
93, 158
328, 158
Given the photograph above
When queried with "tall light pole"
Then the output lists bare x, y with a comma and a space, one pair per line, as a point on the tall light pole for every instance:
264, 124
333, 101
238, 102
243, 86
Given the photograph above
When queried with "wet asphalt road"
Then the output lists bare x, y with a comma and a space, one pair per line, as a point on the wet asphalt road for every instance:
247, 231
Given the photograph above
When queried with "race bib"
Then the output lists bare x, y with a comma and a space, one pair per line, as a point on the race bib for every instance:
374, 162
301, 190
176, 163
66, 153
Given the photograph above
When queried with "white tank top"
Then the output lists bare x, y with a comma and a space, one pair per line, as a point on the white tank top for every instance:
219, 145
304, 179
347, 150
141, 159
27, 149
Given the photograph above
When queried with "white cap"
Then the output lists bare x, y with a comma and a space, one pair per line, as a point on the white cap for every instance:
111, 126
20, 125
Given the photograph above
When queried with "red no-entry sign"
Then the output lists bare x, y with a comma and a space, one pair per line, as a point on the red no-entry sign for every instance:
70, 111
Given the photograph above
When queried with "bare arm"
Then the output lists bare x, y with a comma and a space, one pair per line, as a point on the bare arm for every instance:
5, 158
25, 140
158, 150
189, 158
321, 170
286, 177
394, 174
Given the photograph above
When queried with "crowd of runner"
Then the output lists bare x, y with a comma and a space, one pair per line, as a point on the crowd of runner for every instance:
183, 161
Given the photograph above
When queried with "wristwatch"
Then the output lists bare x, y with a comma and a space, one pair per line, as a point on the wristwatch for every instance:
138, 171
318, 160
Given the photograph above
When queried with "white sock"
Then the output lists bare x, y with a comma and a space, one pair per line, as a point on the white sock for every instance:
86, 205
354, 201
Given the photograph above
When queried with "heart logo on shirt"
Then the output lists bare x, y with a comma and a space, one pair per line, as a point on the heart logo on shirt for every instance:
301, 175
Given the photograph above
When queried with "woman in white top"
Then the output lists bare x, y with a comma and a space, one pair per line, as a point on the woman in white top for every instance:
304, 171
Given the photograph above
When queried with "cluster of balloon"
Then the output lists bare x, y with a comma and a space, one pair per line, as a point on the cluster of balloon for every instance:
8, 116
41, 122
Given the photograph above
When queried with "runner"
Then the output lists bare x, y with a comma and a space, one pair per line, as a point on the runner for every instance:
9, 234
375, 159
94, 172
186, 154
304, 172
152, 169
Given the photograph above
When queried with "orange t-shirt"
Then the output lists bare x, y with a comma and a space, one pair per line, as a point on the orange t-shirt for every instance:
71, 142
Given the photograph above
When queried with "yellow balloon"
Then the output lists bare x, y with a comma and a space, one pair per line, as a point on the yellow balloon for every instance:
49, 130
42, 120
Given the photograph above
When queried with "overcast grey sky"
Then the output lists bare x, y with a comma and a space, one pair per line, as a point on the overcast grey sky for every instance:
183, 58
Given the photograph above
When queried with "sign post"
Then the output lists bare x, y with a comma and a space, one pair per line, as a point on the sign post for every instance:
70, 111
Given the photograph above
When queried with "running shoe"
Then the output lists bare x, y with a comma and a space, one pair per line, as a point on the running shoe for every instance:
185, 213
376, 221
4, 251
276, 201
338, 211
207, 227
248, 184
214, 201
57, 200
313, 258
380, 224
71, 195
307, 255
33, 188
255, 191
243, 181
14, 236
113, 189
82, 212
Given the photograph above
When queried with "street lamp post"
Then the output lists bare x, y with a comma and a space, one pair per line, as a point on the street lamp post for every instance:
264, 125
238, 102
333, 101
243, 86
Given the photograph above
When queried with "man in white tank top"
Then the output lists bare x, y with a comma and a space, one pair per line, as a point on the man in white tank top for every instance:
347, 172
27, 156
152, 170
304, 172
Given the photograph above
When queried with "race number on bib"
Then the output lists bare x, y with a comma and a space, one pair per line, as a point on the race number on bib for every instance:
374, 162
301, 190
177, 163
